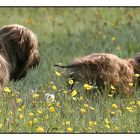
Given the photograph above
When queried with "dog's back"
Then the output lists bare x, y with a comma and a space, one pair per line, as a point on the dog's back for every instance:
101, 68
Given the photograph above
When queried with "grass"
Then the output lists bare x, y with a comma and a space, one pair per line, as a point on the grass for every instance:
63, 34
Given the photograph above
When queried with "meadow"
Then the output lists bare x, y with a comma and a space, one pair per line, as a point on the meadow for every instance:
42, 102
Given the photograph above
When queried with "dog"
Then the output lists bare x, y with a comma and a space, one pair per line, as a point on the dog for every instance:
18, 53
105, 70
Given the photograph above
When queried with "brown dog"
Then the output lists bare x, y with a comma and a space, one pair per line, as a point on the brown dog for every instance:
105, 69
18, 52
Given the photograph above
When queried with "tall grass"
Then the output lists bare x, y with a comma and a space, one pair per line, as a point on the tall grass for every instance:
63, 34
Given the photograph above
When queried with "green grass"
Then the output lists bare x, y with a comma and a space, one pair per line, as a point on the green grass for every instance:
63, 34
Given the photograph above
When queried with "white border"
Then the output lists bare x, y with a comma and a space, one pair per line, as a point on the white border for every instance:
69, 2
69, 136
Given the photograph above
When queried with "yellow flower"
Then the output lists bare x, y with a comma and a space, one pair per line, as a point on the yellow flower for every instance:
116, 128
40, 129
21, 116
131, 84
81, 98
112, 87
58, 73
86, 105
35, 120
138, 103
30, 123
35, 96
7, 90
39, 111
69, 129
112, 92
51, 82
23, 107
89, 128
119, 112
65, 92
74, 98
57, 103
132, 103
70, 81
110, 95
91, 123
74, 93
88, 87
114, 106
18, 100
20, 109
83, 110
67, 122
130, 109
10, 113
31, 114
1, 125
107, 126
137, 75
52, 109
49, 104
112, 113
13, 94
54, 87
94, 123
106, 121
92, 108
113, 38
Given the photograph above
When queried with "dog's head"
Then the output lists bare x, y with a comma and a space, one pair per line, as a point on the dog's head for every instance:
137, 58
137, 61
19, 47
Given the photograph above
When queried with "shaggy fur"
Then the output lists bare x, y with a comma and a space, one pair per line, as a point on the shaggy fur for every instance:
105, 69
18, 52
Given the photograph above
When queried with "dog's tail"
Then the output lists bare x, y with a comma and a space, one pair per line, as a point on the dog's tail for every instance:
68, 66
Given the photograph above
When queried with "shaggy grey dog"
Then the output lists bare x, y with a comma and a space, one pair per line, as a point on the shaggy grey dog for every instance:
18, 52
101, 68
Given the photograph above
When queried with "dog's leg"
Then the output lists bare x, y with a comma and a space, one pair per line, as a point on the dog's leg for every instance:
4, 73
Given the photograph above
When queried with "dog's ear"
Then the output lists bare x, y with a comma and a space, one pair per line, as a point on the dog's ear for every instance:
34, 57
28, 52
